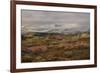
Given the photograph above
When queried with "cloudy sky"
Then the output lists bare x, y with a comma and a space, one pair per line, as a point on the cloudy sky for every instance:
50, 21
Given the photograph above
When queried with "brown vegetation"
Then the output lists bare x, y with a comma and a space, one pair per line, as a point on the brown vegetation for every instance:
55, 47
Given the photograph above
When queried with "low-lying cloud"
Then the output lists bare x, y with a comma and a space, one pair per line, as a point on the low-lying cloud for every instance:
50, 21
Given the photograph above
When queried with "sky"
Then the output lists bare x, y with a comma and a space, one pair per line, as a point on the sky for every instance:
54, 21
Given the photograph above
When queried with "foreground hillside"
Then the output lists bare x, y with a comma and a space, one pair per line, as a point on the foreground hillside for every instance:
41, 47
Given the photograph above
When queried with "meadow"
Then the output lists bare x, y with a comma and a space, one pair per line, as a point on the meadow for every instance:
43, 47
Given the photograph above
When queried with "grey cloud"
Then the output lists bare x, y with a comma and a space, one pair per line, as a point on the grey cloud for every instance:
33, 20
